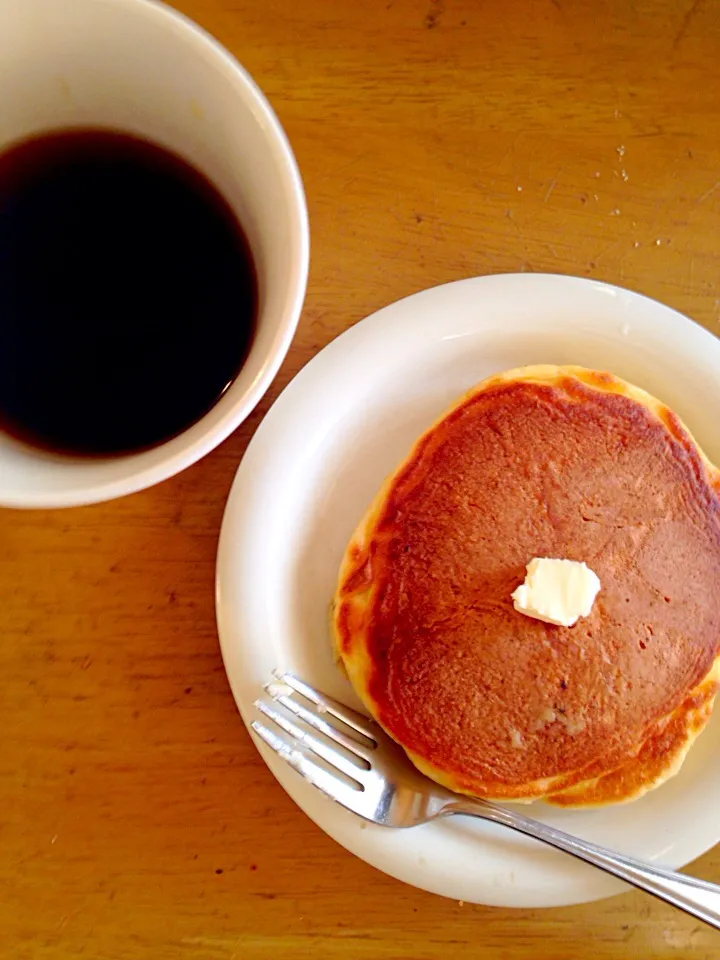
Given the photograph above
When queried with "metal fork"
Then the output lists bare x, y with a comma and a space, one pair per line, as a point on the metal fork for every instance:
358, 765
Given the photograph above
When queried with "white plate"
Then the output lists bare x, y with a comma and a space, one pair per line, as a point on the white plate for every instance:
314, 465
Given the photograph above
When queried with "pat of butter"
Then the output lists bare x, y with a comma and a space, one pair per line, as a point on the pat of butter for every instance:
557, 591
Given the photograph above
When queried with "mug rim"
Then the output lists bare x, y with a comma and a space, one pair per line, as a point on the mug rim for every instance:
169, 465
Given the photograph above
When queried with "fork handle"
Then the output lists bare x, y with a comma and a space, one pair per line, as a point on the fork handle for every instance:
696, 897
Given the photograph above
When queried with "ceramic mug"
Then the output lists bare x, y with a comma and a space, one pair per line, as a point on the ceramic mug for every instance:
140, 67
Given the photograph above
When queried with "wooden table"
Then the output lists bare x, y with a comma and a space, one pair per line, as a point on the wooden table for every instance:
437, 140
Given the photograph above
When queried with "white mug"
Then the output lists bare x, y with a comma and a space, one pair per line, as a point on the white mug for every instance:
140, 67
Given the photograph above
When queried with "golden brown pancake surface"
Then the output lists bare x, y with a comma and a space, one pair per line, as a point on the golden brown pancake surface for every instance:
544, 462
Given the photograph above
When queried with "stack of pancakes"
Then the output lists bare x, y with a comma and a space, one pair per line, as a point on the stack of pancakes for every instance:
541, 462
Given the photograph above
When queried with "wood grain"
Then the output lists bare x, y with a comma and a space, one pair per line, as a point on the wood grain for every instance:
438, 139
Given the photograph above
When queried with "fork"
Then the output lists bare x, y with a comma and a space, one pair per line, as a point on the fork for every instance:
353, 761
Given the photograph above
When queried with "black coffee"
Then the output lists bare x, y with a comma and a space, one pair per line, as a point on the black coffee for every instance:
128, 293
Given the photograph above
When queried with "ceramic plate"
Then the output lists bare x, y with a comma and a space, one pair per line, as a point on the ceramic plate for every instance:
312, 469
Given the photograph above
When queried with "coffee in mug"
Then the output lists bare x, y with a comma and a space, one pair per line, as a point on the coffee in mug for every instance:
128, 292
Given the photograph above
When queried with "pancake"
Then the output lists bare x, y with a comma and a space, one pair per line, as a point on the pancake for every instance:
540, 462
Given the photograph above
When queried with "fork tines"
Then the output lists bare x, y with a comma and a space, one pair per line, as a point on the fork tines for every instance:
339, 740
